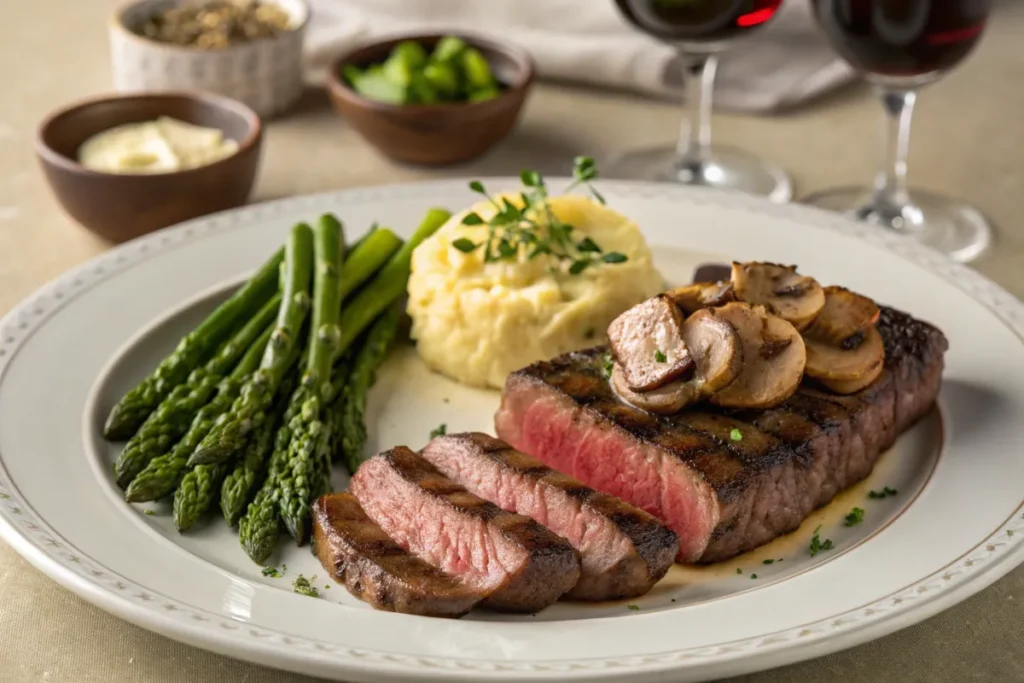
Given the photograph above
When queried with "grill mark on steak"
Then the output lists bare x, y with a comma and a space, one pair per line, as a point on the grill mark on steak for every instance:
721, 496
624, 551
357, 553
520, 565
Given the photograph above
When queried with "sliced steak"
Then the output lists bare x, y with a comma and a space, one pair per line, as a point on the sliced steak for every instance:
357, 553
520, 565
623, 550
722, 496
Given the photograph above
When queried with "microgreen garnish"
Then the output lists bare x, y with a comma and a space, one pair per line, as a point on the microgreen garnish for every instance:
440, 430
302, 586
818, 545
739, 570
635, 608
607, 365
529, 226
884, 493
272, 572
856, 516
149, 512
753, 576
736, 434
769, 561
659, 356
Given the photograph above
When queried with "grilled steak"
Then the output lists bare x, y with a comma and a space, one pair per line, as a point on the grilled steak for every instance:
722, 496
624, 551
357, 553
516, 562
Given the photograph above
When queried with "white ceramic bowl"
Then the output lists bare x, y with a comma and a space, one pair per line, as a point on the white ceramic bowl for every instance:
265, 74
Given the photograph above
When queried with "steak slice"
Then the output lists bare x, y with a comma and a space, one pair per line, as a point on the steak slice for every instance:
720, 495
623, 550
357, 553
517, 563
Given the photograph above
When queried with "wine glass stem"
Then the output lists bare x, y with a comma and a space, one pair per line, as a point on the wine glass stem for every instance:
891, 201
695, 133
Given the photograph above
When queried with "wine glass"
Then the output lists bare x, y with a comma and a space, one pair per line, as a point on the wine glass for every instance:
899, 46
700, 30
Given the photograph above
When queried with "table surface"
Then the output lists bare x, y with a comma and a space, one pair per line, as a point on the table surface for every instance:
967, 140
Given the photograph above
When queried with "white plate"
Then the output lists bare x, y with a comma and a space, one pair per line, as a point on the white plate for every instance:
955, 527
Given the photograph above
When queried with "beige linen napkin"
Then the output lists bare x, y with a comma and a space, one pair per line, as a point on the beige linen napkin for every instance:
588, 42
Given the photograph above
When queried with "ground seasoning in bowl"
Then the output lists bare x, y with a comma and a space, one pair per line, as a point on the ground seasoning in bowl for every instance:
216, 24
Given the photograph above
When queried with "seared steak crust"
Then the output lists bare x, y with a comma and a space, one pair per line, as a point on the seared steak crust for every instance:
358, 554
722, 495
521, 565
624, 551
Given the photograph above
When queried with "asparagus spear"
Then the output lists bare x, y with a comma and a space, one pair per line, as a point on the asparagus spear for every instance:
351, 405
134, 407
388, 284
240, 482
231, 432
302, 468
169, 422
164, 472
366, 258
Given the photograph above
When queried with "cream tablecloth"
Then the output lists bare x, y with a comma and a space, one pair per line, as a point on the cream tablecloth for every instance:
967, 141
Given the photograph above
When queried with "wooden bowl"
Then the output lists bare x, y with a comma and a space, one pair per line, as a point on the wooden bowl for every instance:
118, 206
435, 134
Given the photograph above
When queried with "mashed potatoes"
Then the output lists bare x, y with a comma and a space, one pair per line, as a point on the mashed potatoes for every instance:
476, 322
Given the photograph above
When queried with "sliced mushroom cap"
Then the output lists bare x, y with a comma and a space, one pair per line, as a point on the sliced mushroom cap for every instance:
692, 298
845, 316
852, 386
715, 347
773, 358
780, 289
647, 341
826, 361
665, 400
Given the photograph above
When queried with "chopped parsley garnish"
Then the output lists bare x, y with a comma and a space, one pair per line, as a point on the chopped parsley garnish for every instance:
753, 576
768, 561
302, 586
635, 608
659, 356
818, 545
149, 512
855, 517
736, 434
272, 572
884, 493
739, 570
607, 365
529, 225
440, 430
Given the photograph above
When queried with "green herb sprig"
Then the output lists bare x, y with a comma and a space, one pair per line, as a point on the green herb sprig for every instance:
533, 229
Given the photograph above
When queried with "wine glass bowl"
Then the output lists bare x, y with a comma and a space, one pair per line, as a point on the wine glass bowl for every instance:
899, 46
699, 30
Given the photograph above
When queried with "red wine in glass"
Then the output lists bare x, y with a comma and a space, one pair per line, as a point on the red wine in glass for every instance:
697, 21
900, 46
903, 38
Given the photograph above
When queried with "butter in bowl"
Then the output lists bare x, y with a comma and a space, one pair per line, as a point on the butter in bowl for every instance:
126, 165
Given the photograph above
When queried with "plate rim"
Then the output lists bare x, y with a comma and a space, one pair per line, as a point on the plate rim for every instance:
969, 574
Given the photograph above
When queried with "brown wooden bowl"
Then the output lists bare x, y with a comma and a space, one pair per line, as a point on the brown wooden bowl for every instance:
119, 206
435, 134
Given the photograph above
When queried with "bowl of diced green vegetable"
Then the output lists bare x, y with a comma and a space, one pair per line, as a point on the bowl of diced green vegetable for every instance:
432, 99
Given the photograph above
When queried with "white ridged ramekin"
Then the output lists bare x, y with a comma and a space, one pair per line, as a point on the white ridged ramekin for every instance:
265, 74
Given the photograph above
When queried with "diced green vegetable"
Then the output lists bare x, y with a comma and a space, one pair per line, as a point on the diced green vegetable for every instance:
477, 70
422, 91
443, 77
410, 52
483, 94
448, 48
377, 86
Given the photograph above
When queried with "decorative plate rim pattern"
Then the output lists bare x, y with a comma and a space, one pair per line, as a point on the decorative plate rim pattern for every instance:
21, 526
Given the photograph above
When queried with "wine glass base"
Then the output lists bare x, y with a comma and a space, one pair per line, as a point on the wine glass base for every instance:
948, 225
726, 169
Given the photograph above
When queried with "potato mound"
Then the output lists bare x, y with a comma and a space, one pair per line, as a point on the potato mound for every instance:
477, 322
